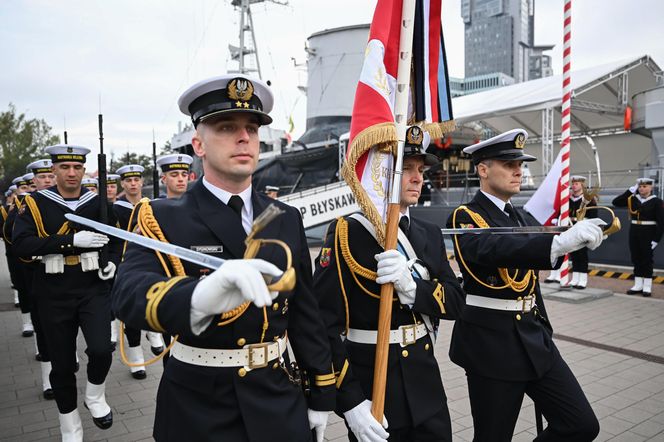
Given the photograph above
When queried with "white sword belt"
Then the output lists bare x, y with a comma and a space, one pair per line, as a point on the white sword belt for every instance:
644, 223
523, 305
250, 356
404, 335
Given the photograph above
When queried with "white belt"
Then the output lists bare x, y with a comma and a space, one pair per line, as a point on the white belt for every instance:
523, 305
644, 223
250, 356
404, 335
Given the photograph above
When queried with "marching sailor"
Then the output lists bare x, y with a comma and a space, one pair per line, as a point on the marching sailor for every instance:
349, 270
646, 212
71, 288
504, 339
131, 180
228, 377
175, 173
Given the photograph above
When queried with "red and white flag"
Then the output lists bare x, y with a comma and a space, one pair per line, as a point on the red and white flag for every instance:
544, 205
373, 136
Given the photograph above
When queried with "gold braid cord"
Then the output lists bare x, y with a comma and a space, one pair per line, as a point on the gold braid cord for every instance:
633, 213
379, 134
148, 226
511, 282
39, 222
4, 213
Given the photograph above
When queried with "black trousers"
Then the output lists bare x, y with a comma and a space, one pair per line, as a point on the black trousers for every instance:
580, 260
437, 428
640, 249
495, 406
60, 319
133, 336
22, 282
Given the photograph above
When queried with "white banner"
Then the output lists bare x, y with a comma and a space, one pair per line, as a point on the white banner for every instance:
323, 204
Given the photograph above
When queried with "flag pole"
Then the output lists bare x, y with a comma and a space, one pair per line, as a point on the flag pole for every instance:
566, 114
387, 290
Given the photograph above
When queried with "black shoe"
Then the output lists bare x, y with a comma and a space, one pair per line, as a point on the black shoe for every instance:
48, 394
580, 287
140, 374
38, 357
113, 346
76, 367
27, 333
157, 350
103, 422
634, 292
646, 294
550, 281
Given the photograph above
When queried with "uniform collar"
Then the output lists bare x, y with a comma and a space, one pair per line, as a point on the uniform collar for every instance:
224, 197
496, 201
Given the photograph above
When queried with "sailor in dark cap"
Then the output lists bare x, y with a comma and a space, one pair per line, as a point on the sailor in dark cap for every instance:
646, 212
504, 339
228, 374
349, 270
175, 173
131, 180
71, 287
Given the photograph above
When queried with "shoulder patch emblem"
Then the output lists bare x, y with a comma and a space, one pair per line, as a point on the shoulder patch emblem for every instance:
325, 253
21, 210
467, 226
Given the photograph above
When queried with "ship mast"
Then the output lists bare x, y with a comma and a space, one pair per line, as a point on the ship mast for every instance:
248, 46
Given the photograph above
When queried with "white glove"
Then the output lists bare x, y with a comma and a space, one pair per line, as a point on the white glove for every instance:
235, 282
107, 273
89, 240
633, 189
364, 426
585, 233
653, 244
393, 267
318, 422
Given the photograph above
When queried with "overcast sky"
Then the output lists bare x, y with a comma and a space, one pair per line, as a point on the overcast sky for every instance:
62, 58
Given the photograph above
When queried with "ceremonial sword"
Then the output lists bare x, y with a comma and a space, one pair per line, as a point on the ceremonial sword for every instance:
192, 256
505, 230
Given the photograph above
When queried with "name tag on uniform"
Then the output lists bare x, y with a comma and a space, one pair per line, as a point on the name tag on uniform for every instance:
208, 249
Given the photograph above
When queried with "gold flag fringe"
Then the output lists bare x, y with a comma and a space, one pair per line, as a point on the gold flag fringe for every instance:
384, 134
439, 129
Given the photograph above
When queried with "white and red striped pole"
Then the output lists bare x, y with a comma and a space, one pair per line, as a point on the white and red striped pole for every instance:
565, 131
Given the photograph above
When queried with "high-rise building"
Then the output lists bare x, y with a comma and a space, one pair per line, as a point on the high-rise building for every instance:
499, 37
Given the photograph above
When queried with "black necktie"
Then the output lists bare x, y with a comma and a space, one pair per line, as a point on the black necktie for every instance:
404, 225
511, 213
236, 204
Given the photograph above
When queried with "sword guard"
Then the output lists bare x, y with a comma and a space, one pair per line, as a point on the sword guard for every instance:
612, 228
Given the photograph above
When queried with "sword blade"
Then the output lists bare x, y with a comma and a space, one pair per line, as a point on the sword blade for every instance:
506, 230
192, 256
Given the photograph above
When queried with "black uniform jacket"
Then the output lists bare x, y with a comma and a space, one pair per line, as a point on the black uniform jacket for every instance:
504, 345
575, 205
414, 389
8, 222
650, 210
271, 407
36, 234
123, 209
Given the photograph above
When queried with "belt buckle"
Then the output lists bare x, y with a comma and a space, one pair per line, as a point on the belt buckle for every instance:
255, 349
72, 260
527, 303
404, 334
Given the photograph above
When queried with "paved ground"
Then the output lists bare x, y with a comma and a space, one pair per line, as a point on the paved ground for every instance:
614, 345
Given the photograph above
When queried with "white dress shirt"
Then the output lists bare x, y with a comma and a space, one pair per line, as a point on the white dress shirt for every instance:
224, 196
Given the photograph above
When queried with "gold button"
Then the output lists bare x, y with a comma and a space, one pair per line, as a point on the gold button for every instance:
275, 366
426, 346
241, 342
242, 372
275, 306
518, 317
519, 298
404, 353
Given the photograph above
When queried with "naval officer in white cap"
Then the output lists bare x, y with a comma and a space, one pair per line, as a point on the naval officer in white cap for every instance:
228, 377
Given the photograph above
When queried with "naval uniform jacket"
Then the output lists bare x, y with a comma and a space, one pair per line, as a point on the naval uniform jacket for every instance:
27, 242
14, 264
122, 209
414, 390
505, 345
210, 403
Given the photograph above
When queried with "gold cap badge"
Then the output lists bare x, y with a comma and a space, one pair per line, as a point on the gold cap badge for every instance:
520, 141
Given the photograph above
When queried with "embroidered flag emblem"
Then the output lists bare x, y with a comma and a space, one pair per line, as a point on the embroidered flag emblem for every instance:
325, 256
